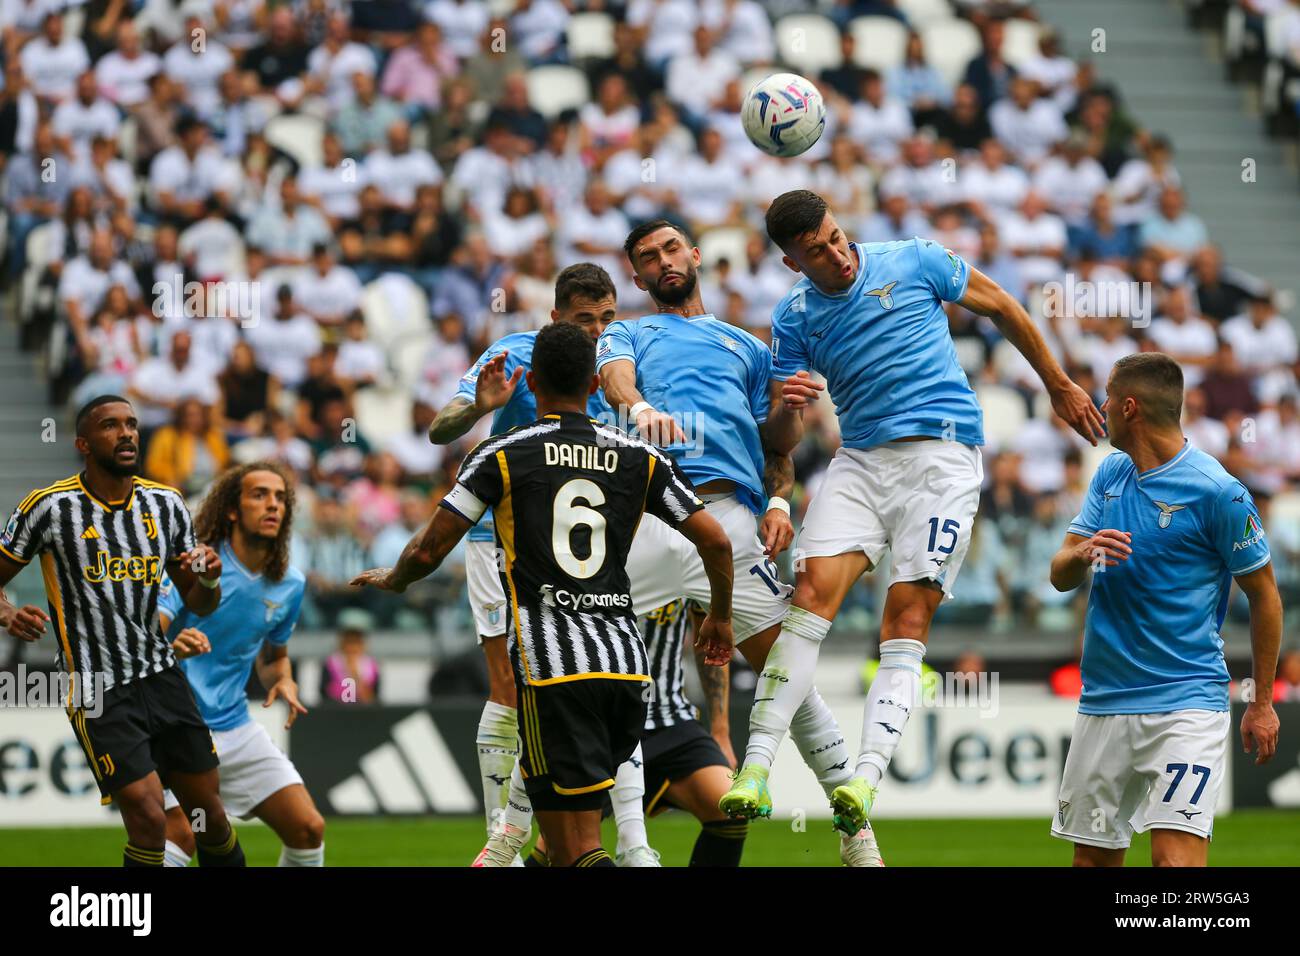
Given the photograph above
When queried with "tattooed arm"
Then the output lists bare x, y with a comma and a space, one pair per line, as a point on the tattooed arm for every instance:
716, 684
492, 389
775, 529
456, 418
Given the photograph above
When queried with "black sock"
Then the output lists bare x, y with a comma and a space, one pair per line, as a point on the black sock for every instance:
596, 857
537, 858
228, 853
720, 843
133, 855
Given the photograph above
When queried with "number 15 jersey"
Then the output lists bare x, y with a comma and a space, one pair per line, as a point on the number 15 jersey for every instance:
567, 494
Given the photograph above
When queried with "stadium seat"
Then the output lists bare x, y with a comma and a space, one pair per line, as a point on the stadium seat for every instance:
808, 43
880, 43
724, 243
553, 89
949, 46
1004, 413
590, 36
271, 279
1093, 456
298, 135
38, 241
382, 412
406, 355
128, 135
970, 355
394, 306
1020, 41
921, 12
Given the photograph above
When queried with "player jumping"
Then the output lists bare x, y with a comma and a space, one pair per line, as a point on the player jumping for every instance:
568, 494
105, 537
248, 517
1165, 531
869, 317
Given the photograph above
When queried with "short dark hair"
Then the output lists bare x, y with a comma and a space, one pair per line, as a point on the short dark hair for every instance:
564, 360
793, 214
84, 411
1156, 381
582, 280
643, 230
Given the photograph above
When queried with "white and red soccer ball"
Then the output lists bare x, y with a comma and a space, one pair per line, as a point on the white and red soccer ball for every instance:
784, 114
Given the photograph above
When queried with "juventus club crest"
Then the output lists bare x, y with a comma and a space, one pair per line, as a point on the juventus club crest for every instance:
1167, 513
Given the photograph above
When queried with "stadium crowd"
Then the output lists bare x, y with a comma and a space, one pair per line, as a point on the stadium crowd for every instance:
286, 230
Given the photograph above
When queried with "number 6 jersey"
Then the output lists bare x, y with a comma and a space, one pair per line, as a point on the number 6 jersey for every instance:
568, 493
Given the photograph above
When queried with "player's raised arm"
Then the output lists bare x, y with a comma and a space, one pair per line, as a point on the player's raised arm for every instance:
1259, 725
617, 369
422, 554
1071, 402
484, 388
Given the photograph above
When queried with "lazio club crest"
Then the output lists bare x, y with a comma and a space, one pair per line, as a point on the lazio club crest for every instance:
886, 299
1167, 513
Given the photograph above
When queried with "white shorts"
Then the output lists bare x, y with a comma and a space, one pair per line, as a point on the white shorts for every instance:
1129, 773
917, 499
663, 567
487, 601
252, 768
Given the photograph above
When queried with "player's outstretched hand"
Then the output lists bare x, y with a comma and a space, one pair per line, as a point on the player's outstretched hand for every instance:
204, 561
660, 428
286, 689
716, 641
493, 389
1259, 726
1108, 546
190, 642
800, 390
776, 532
1075, 405
28, 623
381, 578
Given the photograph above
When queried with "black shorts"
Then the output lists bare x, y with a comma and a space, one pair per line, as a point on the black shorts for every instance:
575, 734
146, 725
672, 754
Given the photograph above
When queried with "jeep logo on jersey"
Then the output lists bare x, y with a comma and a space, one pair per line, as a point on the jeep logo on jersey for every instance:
1167, 513
886, 299
553, 597
137, 567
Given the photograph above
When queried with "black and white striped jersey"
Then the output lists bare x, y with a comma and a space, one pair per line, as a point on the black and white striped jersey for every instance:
665, 631
103, 563
567, 494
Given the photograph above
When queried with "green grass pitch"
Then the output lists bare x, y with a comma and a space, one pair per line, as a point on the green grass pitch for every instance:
1258, 838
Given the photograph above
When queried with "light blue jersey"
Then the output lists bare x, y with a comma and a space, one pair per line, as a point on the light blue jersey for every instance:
253, 611
522, 406
714, 378
1151, 638
883, 345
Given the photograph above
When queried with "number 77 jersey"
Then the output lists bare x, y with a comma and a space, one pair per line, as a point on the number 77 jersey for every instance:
568, 494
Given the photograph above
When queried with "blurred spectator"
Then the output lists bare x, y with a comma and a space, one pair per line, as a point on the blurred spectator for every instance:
398, 170
374, 498
1221, 292
124, 72
247, 393
878, 122
416, 71
277, 442
363, 124
989, 74
1207, 434
1188, 338
198, 66
1027, 125
411, 448
1286, 687
1140, 181
1100, 237
462, 23
512, 112
491, 58
1227, 386
1072, 179
360, 361
1171, 231
919, 85
190, 452
350, 675
52, 61
31, 198
80, 118
1265, 345
329, 553
966, 125
184, 176
161, 384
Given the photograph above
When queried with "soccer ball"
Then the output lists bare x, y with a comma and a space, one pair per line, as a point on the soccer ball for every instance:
783, 114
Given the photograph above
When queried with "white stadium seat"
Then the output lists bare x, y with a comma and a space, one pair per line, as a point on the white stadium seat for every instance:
723, 243
553, 89
879, 43
406, 355
394, 307
382, 412
590, 35
808, 43
1020, 41
949, 46
921, 12
1004, 413
298, 135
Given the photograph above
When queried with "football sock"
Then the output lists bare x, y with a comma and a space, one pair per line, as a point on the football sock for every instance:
820, 742
519, 808
173, 855
625, 796
786, 680
537, 858
890, 702
498, 746
291, 857
226, 853
133, 855
720, 843
596, 857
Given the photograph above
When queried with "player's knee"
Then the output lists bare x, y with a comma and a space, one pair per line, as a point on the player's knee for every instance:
144, 819
311, 832
816, 593
911, 620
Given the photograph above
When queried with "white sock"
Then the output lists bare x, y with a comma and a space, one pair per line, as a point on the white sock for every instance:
785, 682
173, 855
890, 702
629, 815
820, 742
498, 747
519, 809
292, 857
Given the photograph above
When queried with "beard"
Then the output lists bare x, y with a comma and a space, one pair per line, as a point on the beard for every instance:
110, 464
677, 294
